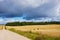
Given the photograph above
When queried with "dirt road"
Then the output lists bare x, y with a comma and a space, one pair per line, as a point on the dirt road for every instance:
8, 35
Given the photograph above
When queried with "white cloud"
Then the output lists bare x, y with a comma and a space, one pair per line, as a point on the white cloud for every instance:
1, 0
32, 3
55, 12
36, 3
1, 20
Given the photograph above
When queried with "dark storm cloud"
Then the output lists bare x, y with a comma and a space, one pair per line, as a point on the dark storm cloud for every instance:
28, 9
9, 9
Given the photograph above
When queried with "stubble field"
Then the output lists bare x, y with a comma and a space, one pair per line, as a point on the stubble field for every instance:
0, 27
50, 30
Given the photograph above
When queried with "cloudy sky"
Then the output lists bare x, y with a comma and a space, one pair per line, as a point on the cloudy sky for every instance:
29, 10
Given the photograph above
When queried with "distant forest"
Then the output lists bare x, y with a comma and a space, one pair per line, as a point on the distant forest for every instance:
30, 23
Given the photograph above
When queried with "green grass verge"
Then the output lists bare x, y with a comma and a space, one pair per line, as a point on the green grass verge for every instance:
34, 36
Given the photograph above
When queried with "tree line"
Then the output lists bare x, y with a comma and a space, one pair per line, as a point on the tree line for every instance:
30, 23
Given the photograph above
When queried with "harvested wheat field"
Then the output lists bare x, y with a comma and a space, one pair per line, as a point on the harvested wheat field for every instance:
50, 30
0, 27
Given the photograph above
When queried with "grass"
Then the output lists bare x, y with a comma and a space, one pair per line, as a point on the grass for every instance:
34, 36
